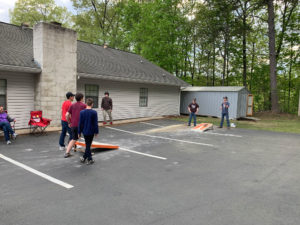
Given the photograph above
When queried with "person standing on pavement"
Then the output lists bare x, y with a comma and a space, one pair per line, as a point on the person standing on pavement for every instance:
106, 106
224, 107
72, 117
64, 123
88, 125
193, 109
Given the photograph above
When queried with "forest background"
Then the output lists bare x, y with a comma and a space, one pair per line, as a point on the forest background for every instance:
252, 43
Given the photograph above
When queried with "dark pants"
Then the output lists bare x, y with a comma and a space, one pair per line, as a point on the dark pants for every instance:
192, 115
227, 118
64, 130
88, 142
6, 129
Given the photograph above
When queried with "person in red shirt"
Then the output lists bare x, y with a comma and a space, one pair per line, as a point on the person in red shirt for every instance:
64, 123
72, 117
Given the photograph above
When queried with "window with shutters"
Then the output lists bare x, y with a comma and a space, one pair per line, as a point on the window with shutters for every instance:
92, 91
3, 87
143, 97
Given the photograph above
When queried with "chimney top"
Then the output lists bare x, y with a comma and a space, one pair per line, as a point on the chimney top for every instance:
25, 25
56, 23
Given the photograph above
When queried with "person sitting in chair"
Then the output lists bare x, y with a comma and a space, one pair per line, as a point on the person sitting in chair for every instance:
5, 125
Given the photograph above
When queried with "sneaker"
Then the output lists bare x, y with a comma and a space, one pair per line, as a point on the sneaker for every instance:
111, 123
82, 160
104, 123
67, 155
89, 162
62, 148
189, 125
15, 135
220, 127
8, 142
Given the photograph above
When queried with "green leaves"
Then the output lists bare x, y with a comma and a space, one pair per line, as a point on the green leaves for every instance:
34, 11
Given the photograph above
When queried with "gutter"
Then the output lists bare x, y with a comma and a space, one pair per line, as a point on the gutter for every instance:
123, 79
21, 69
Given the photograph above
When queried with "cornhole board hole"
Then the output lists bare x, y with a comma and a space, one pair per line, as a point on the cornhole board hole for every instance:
203, 127
95, 144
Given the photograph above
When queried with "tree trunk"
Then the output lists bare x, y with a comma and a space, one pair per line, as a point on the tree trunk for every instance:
252, 66
214, 62
244, 51
272, 56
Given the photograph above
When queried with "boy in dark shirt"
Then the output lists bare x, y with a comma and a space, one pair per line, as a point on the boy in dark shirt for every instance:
193, 109
73, 114
224, 107
106, 106
88, 125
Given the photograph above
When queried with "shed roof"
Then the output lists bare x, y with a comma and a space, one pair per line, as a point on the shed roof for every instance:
215, 88
16, 50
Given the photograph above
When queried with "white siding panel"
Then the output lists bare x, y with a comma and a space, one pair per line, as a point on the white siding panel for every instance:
20, 96
162, 100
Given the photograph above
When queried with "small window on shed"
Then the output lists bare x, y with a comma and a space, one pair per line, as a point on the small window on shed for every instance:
143, 97
92, 91
3, 87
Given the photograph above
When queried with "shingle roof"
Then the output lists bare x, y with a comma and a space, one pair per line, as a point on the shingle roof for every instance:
215, 88
16, 48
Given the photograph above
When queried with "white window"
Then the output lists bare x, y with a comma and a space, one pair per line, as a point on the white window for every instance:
143, 97
3, 86
92, 91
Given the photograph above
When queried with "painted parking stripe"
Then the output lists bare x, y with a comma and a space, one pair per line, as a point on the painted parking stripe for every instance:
152, 124
43, 175
165, 138
228, 135
145, 154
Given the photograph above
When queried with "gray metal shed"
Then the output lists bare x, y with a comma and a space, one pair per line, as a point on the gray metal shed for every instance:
209, 100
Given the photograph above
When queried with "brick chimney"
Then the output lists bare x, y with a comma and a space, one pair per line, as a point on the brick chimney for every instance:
55, 50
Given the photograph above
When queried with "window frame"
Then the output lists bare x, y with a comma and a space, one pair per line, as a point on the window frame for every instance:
5, 94
94, 97
143, 98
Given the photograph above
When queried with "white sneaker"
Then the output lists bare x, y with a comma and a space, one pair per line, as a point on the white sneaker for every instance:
61, 148
8, 142
15, 135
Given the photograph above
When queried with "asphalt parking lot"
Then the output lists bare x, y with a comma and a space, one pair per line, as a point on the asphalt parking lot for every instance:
164, 174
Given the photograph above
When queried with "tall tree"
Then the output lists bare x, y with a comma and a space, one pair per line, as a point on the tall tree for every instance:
34, 11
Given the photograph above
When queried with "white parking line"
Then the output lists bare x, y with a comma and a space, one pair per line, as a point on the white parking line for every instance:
152, 136
228, 135
145, 154
152, 124
43, 175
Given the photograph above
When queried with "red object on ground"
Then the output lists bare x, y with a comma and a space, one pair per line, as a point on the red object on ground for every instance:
37, 123
96, 144
203, 127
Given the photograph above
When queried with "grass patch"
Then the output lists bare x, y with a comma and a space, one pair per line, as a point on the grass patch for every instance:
287, 123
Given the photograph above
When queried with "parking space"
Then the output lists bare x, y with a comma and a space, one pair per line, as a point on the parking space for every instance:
221, 177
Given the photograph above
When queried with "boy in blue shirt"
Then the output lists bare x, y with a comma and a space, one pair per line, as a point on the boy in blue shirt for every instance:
88, 125
224, 107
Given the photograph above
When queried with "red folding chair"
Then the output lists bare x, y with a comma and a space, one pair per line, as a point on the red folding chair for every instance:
37, 123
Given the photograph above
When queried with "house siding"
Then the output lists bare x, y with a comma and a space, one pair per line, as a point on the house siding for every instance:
20, 96
162, 100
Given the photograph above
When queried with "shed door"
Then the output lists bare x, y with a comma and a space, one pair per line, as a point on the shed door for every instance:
250, 105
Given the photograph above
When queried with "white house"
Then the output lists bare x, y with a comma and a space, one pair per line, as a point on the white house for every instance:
38, 66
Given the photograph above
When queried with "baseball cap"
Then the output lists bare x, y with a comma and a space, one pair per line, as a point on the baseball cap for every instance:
69, 94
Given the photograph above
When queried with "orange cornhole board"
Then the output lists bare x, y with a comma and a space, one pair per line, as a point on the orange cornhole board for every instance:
96, 144
203, 127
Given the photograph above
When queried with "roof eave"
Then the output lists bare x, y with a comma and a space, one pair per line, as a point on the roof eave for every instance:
21, 69
124, 79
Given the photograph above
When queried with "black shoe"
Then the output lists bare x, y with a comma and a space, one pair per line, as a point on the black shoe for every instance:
89, 162
82, 160
220, 127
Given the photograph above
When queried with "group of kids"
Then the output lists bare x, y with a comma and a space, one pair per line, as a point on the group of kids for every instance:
79, 118
193, 108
